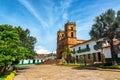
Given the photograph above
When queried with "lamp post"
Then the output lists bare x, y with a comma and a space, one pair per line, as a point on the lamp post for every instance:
75, 59
84, 59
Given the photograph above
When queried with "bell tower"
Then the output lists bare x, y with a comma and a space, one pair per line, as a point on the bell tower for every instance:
66, 38
60, 35
70, 33
60, 43
70, 30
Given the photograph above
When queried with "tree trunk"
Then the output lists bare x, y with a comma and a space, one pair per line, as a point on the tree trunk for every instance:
114, 62
84, 59
75, 60
68, 59
4, 70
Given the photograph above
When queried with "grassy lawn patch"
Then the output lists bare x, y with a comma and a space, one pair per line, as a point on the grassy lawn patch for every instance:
110, 67
72, 64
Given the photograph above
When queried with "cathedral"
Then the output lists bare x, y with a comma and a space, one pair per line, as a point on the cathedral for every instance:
66, 38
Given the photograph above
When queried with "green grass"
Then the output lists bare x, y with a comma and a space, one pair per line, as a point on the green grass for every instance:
110, 67
72, 64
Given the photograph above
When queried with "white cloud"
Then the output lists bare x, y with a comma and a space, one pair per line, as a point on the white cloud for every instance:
41, 50
65, 16
65, 4
31, 9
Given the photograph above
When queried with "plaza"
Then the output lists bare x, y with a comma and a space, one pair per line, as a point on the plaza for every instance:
55, 72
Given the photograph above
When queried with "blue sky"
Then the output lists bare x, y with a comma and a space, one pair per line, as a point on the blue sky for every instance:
45, 17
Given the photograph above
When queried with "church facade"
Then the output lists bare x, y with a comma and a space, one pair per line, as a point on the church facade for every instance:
66, 38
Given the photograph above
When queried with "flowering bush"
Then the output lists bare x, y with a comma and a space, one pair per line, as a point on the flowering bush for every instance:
12, 74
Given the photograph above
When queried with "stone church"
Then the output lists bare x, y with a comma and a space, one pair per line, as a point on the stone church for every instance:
66, 38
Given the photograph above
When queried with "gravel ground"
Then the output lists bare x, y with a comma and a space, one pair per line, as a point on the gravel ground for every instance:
53, 72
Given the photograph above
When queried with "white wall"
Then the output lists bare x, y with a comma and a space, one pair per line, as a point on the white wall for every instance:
107, 52
26, 61
20, 62
118, 55
91, 45
31, 61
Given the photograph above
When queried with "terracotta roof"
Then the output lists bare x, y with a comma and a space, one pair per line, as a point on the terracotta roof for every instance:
42, 56
81, 40
116, 42
81, 43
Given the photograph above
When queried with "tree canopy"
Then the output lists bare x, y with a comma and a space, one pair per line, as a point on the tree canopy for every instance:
107, 26
11, 45
68, 55
27, 40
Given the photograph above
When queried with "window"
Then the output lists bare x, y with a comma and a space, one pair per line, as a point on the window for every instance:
72, 34
74, 50
71, 28
62, 35
87, 45
88, 56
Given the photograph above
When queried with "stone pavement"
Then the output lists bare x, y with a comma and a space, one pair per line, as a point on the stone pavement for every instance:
53, 72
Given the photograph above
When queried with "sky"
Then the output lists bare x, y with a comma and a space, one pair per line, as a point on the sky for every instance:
45, 17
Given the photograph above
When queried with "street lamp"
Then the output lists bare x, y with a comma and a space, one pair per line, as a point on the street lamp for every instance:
84, 59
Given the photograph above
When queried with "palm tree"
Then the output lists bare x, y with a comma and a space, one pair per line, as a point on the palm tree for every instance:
64, 55
107, 26
67, 55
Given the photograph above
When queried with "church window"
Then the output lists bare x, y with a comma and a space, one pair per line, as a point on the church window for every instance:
62, 35
71, 28
72, 34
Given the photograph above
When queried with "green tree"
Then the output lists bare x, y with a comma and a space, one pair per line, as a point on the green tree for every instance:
11, 47
27, 40
107, 26
67, 55
9, 44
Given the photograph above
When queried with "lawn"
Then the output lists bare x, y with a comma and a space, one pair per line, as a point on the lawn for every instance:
72, 64
110, 67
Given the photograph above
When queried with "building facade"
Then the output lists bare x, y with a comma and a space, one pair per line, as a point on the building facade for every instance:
66, 38
93, 52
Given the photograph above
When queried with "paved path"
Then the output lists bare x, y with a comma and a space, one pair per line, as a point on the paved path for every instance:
53, 72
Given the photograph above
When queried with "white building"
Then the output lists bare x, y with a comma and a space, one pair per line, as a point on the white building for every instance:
93, 51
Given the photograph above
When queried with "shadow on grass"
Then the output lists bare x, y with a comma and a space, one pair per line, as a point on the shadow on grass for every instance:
95, 68
85, 68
